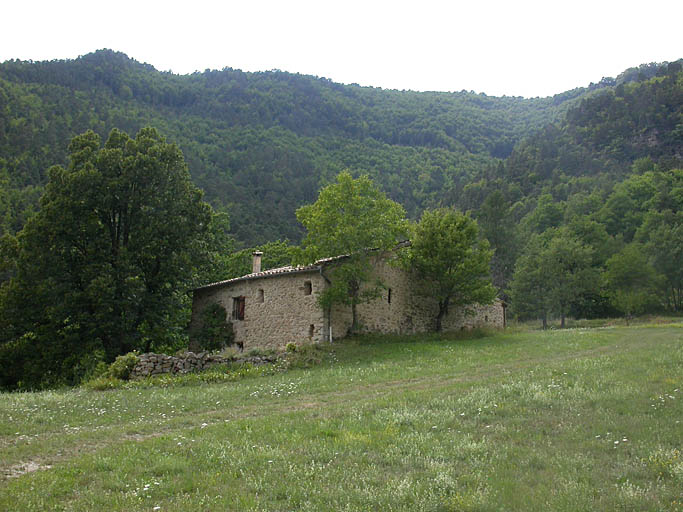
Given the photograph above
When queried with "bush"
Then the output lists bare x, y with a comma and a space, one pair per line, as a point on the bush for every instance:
261, 352
122, 366
215, 332
103, 383
308, 355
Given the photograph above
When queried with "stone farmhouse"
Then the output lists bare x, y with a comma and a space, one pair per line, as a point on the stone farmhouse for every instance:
271, 308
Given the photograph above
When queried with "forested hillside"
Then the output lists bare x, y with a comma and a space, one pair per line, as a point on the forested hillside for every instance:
259, 144
594, 146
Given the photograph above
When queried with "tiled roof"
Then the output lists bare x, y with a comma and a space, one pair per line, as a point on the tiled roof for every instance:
285, 270
266, 273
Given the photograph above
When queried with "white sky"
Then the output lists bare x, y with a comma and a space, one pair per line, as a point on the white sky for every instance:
515, 48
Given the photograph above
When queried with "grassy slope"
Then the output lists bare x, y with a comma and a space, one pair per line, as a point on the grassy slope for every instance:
526, 420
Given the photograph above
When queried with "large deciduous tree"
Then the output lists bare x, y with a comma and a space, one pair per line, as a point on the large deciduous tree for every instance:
103, 266
451, 261
631, 280
351, 217
553, 271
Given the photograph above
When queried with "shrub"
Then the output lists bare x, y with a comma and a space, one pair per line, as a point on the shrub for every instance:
259, 352
215, 332
229, 353
122, 366
103, 383
308, 355
291, 347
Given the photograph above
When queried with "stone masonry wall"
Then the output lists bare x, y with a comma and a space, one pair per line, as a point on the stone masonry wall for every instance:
407, 312
278, 309
156, 364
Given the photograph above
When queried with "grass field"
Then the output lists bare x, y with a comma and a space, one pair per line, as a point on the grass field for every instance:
577, 419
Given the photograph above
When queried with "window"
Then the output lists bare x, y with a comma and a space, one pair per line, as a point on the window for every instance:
261, 296
238, 308
311, 330
308, 288
389, 296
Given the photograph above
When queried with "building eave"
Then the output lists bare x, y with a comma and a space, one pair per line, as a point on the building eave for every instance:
283, 271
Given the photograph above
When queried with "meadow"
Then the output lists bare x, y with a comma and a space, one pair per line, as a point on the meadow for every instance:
574, 419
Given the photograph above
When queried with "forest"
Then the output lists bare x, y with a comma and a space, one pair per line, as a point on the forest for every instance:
579, 195
259, 144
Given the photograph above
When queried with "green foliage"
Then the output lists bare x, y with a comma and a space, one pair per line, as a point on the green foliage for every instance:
354, 219
105, 263
661, 232
631, 281
554, 270
275, 254
349, 216
215, 332
450, 260
263, 144
309, 355
122, 366
529, 287
215, 375
497, 225
260, 144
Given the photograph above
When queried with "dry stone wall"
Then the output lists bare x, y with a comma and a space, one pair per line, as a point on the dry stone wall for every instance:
156, 364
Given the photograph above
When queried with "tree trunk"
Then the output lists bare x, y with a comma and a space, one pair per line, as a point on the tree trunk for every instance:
354, 322
443, 310
562, 319
354, 290
545, 320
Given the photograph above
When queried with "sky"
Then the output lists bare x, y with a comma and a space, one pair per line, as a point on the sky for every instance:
514, 48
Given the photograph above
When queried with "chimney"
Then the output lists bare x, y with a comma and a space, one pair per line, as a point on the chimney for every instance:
256, 262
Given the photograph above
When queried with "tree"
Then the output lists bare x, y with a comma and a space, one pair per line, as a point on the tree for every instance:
351, 217
568, 263
631, 280
103, 267
665, 246
451, 261
661, 234
552, 272
498, 226
275, 254
529, 288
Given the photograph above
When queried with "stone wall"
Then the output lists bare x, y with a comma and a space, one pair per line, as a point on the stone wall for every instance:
156, 364
283, 308
473, 316
278, 309
401, 310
